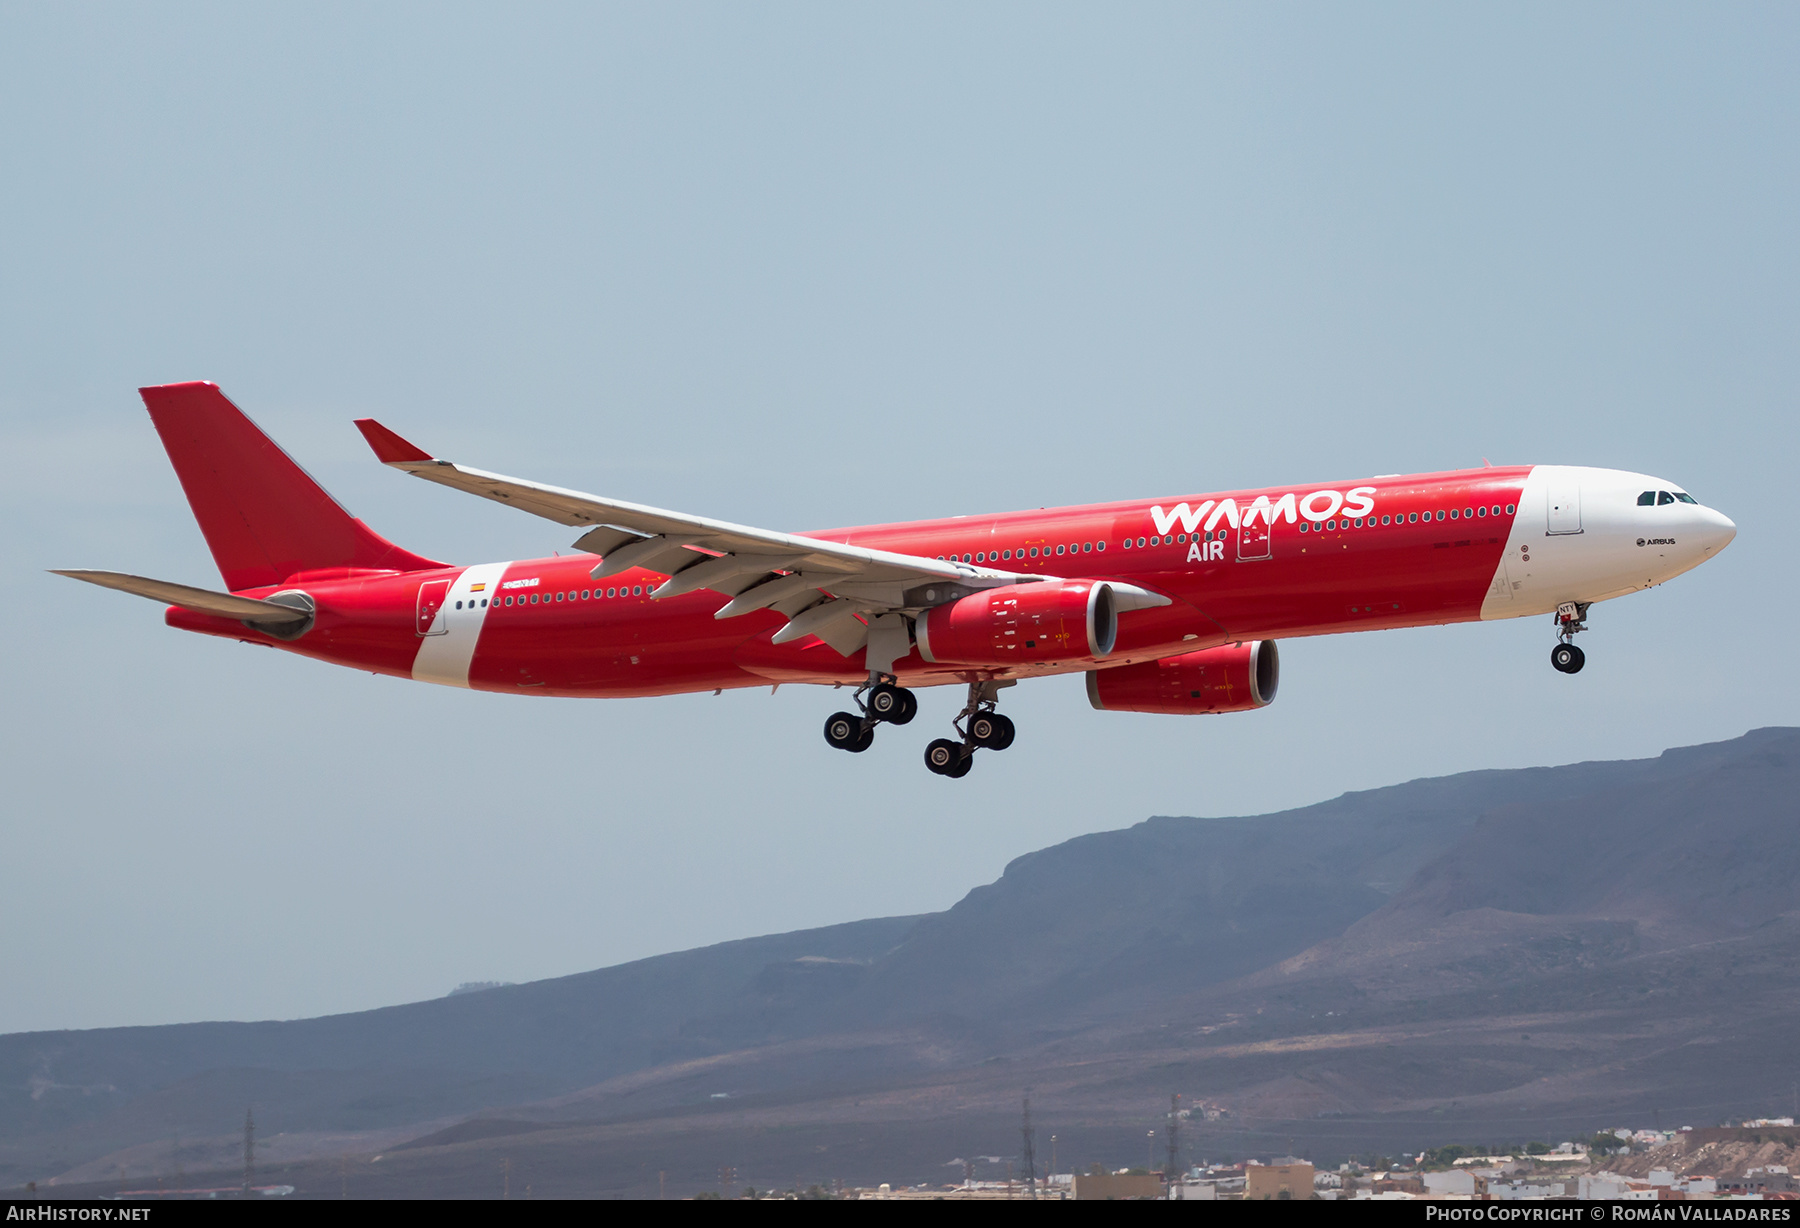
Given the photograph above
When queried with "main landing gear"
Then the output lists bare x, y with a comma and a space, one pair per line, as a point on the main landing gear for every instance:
981, 728
1571, 617
885, 701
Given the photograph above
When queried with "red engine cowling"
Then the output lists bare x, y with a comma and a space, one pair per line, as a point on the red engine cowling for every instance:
1058, 620
1232, 678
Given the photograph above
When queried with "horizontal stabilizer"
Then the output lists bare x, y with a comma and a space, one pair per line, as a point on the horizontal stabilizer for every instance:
201, 600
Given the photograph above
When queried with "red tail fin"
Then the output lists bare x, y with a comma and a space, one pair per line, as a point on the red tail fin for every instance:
263, 517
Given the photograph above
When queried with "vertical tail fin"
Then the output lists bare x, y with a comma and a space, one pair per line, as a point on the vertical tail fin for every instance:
263, 517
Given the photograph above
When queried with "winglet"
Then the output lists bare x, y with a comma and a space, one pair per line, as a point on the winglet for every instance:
389, 448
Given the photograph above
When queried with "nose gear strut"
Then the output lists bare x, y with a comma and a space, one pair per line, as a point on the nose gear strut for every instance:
1571, 617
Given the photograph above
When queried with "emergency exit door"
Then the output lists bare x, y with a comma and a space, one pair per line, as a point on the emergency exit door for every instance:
1565, 502
431, 601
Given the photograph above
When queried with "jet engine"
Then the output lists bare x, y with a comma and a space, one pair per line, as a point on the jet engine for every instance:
1022, 623
1230, 678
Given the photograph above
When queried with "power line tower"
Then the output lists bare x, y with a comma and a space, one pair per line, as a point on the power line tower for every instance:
1174, 1136
1029, 1156
249, 1151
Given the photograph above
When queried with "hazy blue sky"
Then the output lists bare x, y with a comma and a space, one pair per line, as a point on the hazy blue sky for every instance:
802, 266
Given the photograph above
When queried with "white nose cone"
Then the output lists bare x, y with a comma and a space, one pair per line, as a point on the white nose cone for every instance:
1715, 531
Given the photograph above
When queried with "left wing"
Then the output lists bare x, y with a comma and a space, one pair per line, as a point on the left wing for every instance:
828, 589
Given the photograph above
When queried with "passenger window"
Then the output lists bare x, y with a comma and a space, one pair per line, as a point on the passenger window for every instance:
1099, 545
1087, 547
1664, 498
1454, 513
1509, 509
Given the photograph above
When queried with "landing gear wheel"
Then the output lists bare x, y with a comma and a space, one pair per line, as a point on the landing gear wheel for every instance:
948, 758
893, 704
845, 731
1567, 658
992, 731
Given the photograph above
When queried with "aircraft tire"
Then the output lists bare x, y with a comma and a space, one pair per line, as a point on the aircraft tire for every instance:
944, 756
1567, 658
992, 731
888, 702
844, 731
909, 707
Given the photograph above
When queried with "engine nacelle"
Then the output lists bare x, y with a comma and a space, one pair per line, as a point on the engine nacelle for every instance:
1057, 620
1231, 678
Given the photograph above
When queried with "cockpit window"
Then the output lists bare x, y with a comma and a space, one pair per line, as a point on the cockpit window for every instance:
1647, 499
1664, 498
1687, 498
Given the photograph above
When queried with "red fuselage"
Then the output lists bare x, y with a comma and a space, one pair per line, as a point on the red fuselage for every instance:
541, 626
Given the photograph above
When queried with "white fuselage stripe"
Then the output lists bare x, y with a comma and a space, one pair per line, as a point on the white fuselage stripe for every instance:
445, 655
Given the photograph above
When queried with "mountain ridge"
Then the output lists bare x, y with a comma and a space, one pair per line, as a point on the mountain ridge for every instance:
1403, 917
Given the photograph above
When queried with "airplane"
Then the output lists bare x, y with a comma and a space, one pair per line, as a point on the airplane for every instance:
1173, 606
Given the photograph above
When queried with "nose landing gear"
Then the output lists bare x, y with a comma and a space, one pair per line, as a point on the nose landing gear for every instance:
981, 728
1571, 617
887, 701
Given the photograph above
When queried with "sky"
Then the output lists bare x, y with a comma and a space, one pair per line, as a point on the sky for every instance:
809, 265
